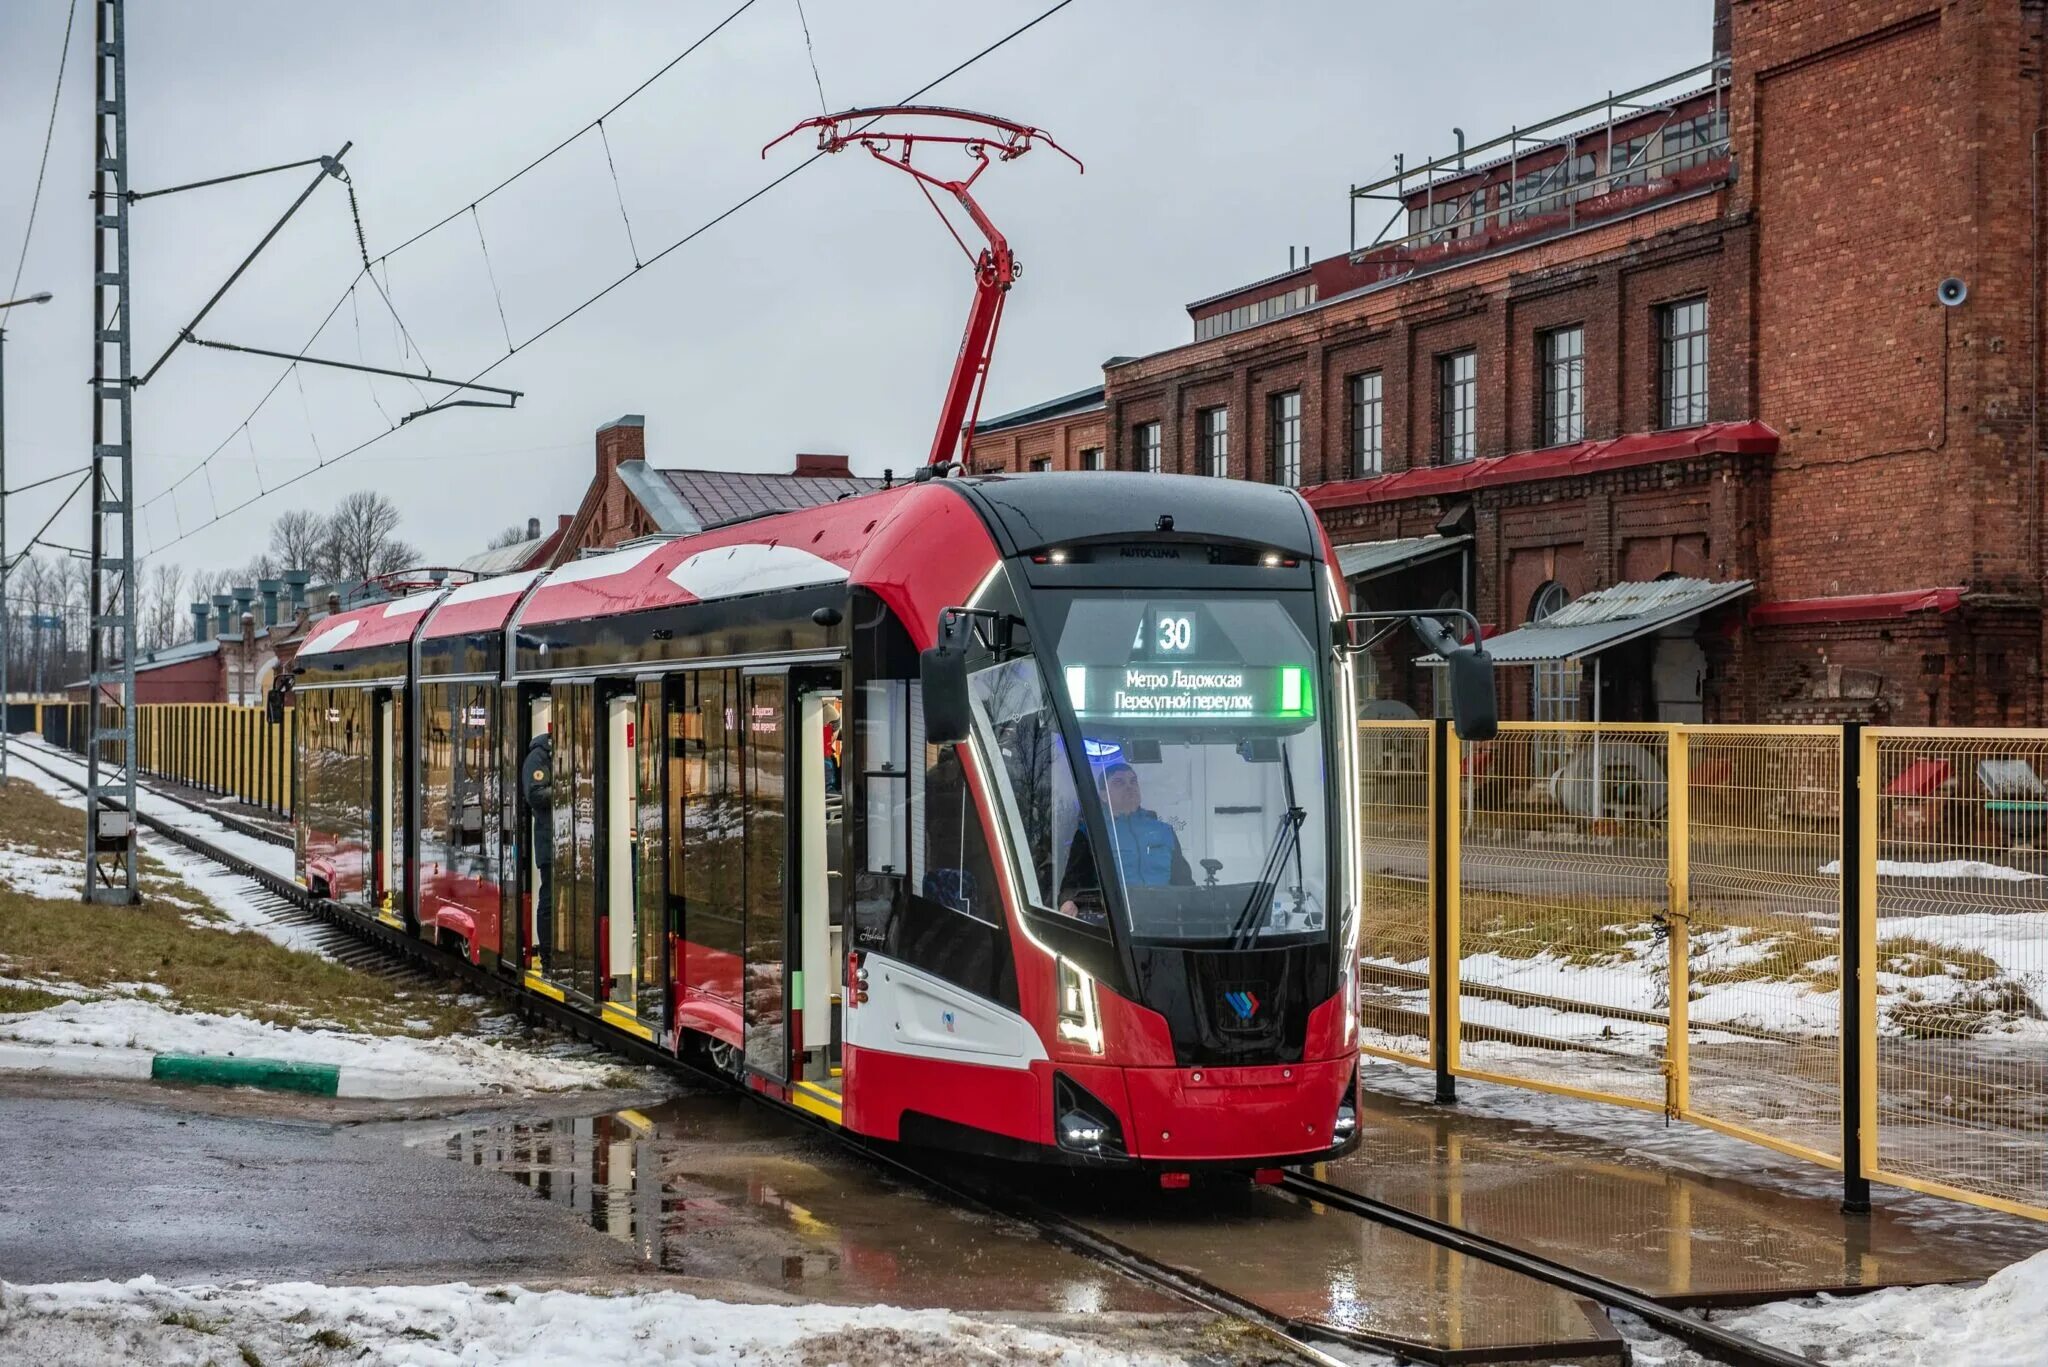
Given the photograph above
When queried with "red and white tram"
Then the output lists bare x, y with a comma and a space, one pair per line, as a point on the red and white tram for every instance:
1008, 815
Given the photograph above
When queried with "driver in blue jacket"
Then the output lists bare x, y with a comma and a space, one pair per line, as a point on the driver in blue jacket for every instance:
1146, 849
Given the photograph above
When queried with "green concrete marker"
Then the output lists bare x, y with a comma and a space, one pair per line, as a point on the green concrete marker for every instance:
277, 1075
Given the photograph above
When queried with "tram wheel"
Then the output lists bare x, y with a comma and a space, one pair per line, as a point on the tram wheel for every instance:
725, 1058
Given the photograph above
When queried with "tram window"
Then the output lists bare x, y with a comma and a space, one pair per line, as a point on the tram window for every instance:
714, 816
474, 789
950, 862
884, 766
437, 703
1037, 797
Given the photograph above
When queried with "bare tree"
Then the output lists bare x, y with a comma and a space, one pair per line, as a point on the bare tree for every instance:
362, 538
206, 583
511, 536
161, 620
297, 539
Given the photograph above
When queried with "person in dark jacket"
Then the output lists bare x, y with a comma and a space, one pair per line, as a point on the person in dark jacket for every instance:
537, 782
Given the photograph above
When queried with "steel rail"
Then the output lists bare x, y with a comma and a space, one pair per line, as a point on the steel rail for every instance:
1726, 1345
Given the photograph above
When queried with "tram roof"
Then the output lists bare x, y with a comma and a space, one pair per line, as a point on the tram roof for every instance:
482, 605
378, 624
818, 545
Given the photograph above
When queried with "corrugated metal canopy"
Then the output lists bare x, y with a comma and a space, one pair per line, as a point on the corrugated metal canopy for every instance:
1607, 618
1368, 559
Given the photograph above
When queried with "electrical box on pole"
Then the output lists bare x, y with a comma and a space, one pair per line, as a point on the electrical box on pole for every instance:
110, 605
995, 267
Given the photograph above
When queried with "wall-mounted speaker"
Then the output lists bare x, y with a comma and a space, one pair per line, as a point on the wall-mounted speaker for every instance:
1952, 291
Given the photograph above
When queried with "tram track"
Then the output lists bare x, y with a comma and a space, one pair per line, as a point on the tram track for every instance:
374, 946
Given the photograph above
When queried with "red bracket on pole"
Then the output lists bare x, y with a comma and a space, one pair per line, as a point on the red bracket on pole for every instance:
995, 267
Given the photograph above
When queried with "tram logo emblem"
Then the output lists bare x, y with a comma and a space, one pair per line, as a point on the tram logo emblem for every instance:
947, 1018
1243, 1005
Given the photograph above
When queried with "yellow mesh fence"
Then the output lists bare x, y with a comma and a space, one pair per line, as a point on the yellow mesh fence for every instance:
1562, 933
1761, 878
1956, 917
1395, 903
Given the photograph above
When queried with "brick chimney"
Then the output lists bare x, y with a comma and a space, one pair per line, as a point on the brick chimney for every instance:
533, 529
223, 607
202, 617
619, 441
813, 465
271, 589
295, 585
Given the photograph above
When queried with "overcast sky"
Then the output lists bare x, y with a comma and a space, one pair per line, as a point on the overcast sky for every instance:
824, 317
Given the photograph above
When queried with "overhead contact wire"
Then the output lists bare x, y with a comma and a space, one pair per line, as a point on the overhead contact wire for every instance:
619, 193
42, 166
496, 293
623, 101
812, 53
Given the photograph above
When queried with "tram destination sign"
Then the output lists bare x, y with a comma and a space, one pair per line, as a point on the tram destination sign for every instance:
1179, 691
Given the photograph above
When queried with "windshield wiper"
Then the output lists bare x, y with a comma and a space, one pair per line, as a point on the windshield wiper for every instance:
1285, 840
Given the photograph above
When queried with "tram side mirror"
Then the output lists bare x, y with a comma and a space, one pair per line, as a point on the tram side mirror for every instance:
1468, 672
943, 670
1475, 713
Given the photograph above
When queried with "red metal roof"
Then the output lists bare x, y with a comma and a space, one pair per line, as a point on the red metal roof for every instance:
1855, 607
1552, 462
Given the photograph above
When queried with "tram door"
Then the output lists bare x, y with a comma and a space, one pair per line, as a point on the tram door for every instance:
765, 989
650, 882
817, 840
630, 891
539, 712
578, 728
387, 806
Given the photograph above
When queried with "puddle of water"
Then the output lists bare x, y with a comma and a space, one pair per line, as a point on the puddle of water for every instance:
716, 1188
1330, 1267
1648, 1225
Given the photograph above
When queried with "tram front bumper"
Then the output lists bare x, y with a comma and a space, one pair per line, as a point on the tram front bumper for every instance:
1231, 1115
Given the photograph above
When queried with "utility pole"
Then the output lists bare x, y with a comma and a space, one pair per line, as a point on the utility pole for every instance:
110, 605
6, 610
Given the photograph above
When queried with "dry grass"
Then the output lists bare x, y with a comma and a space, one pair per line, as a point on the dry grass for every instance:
202, 967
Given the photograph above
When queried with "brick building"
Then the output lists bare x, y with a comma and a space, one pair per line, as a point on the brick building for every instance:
1694, 336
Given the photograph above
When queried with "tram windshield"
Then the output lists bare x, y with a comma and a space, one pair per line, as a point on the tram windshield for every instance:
1199, 796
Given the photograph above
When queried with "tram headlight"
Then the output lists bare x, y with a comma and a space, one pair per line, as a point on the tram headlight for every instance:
1347, 985
1346, 1123
1080, 1016
1085, 1125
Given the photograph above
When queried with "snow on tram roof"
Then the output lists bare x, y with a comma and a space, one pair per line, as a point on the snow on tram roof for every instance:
375, 624
817, 545
485, 605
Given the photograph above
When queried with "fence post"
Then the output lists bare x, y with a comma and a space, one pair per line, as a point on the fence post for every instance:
1857, 848
1443, 805
1678, 883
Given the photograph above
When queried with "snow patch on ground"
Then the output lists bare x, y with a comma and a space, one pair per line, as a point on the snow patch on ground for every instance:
40, 875
456, 1063
1997, 1322
275, 859
113, 1324
1945, 868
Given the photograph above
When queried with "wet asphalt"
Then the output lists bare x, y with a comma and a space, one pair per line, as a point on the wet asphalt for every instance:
188, 1188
